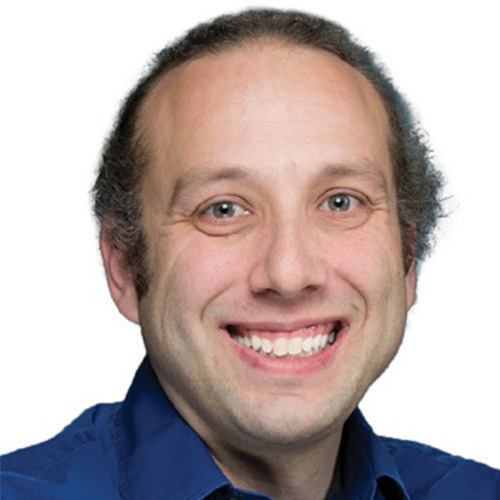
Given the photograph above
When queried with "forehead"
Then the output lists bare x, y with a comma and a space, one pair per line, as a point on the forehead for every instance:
293, 104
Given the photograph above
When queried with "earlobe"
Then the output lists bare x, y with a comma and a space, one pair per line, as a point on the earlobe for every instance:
120, 282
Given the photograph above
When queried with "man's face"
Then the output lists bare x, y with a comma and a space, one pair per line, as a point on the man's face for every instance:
271, 221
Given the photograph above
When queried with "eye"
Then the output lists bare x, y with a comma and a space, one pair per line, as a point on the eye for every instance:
222, 217
340, 202
225, 210
345, 210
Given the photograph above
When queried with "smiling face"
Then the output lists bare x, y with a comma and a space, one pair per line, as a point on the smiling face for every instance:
278, 292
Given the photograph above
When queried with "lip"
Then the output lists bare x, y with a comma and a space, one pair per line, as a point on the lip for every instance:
284, 327
287, 367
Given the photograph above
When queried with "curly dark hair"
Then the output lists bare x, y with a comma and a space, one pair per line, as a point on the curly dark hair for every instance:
125, 156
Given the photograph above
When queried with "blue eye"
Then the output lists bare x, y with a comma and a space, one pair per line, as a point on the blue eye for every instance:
341, 202
225, 210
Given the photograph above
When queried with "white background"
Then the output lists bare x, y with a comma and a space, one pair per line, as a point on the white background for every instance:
65, 68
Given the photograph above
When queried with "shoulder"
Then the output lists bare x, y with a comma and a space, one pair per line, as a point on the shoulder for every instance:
76, 463
433, 474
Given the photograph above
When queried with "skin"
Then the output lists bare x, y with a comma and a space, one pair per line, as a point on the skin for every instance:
276, 131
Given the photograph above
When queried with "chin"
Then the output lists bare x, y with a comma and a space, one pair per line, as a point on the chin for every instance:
288, 423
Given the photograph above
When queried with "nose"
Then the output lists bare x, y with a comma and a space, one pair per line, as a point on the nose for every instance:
289, 263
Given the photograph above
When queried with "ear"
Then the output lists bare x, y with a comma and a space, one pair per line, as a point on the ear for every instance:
411, 285
120, 281
411, 275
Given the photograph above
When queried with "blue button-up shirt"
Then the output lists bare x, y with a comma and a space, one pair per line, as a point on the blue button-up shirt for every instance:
142, 449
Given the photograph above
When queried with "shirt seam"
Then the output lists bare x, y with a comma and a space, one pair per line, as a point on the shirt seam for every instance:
43, 473
118, 439
428, 451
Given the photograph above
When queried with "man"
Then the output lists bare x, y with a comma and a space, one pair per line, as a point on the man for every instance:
265, 201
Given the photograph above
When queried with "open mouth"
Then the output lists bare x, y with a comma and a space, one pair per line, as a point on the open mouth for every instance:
299, 343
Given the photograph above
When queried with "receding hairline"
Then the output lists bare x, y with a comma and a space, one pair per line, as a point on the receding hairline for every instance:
260, 41
263, 41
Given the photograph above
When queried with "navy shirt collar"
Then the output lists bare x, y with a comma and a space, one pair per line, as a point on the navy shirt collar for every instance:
368, 470
160, 456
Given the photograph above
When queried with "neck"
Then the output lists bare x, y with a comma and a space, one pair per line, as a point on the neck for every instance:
307, 474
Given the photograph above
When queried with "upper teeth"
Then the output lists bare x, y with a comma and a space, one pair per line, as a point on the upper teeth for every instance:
282, 346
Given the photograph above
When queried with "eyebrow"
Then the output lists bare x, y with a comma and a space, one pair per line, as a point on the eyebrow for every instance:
362, 170
192, 181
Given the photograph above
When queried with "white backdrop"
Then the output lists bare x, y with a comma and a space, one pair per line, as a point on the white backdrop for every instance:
65, 68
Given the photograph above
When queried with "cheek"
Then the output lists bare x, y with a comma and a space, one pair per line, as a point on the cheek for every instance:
189, 276
371, 262
372, 265
200, 269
